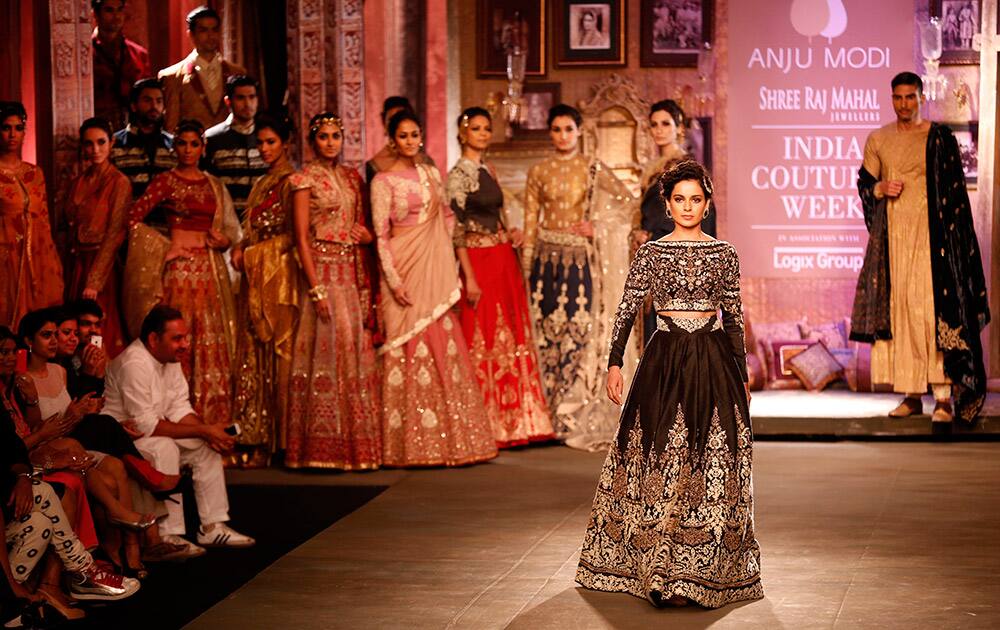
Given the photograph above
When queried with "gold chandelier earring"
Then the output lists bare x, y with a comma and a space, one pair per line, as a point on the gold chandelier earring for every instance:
392, 147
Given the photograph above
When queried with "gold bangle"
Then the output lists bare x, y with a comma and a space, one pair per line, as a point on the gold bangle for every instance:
318, 293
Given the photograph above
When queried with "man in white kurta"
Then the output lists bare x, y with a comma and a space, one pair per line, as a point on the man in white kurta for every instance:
146, 391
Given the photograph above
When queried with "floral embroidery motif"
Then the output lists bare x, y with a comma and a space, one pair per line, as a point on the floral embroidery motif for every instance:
950, 338
683, 276
675, 523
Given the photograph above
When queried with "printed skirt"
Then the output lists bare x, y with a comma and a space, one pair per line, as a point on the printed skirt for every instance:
673, 513
189, 285
501, 348
561, 301
333, 412
432, 409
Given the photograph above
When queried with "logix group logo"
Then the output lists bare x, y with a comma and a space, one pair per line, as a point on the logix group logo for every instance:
819, 17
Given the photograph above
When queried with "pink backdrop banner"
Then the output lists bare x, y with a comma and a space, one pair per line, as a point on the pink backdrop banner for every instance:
809, 80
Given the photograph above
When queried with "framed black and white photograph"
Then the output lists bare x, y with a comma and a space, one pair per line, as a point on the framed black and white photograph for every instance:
590, 32
537, 99
504, 24
961, 25
967, 135
673, 31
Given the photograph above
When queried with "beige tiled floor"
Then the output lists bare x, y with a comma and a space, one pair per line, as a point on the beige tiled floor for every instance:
853, 535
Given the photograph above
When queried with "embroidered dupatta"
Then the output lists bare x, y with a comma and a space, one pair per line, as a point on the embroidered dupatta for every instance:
961, 307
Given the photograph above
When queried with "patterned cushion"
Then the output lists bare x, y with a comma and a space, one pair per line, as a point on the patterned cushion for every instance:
781, 352
815, 367
848, 359
833, 335
764, 334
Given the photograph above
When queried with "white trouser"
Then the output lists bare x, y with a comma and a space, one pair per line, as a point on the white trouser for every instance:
168, 455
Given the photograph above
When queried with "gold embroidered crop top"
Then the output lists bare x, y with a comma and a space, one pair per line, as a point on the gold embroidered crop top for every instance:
683, 276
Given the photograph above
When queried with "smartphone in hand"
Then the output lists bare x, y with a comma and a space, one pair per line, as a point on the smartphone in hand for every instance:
233, 430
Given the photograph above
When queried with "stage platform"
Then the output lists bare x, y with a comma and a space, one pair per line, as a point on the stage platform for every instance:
853, 534
835, 414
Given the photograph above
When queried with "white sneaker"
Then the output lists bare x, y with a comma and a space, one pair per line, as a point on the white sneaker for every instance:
191, 550
222, 535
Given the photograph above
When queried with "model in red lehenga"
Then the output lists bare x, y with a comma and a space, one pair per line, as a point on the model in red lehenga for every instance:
495, 318
95, 211
188, 271
334, 409
31, 275
433, 410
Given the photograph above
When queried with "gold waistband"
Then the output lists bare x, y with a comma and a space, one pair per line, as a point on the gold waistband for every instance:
476, 239
333, 247
562, 238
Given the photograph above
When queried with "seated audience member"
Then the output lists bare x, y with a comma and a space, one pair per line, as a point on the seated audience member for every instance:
145, 389
85, 369
86, 366
35, 522
50, 335
62, 459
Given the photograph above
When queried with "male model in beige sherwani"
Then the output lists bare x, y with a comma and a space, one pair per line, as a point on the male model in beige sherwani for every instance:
910, 361
194, 86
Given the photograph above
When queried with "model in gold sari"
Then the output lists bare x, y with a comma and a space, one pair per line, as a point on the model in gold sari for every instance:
268, 304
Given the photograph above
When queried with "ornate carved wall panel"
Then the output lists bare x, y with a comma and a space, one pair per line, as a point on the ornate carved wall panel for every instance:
72, 83
325, 69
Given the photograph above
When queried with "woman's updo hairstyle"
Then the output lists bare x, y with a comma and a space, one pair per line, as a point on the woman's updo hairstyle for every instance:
95, 123
280, 125
683, 171
13, 108
190, 125
466, 117
401, 116
671, 107
321, 119
562, 109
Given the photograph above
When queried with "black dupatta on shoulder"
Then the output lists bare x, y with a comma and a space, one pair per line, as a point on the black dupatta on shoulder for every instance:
961, 307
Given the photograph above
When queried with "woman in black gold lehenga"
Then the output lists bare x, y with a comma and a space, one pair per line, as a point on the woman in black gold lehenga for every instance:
673, 516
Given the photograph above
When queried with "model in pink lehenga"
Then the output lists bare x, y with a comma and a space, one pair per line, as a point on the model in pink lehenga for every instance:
333, 417
495, 317
95, 210
433, 409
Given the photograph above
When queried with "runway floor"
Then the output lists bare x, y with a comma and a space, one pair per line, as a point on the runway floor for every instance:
853, 535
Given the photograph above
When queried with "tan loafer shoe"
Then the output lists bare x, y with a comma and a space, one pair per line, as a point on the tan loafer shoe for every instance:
942, 413
910, 406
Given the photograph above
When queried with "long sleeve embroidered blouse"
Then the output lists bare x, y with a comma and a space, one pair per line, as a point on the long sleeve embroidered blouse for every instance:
403, 199
96, 213
555, 198
683, 276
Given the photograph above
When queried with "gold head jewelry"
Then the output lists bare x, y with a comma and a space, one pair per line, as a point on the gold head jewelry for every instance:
326, 120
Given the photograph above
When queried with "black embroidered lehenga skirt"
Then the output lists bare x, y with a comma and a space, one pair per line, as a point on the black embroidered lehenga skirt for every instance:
673, 514
560, 301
